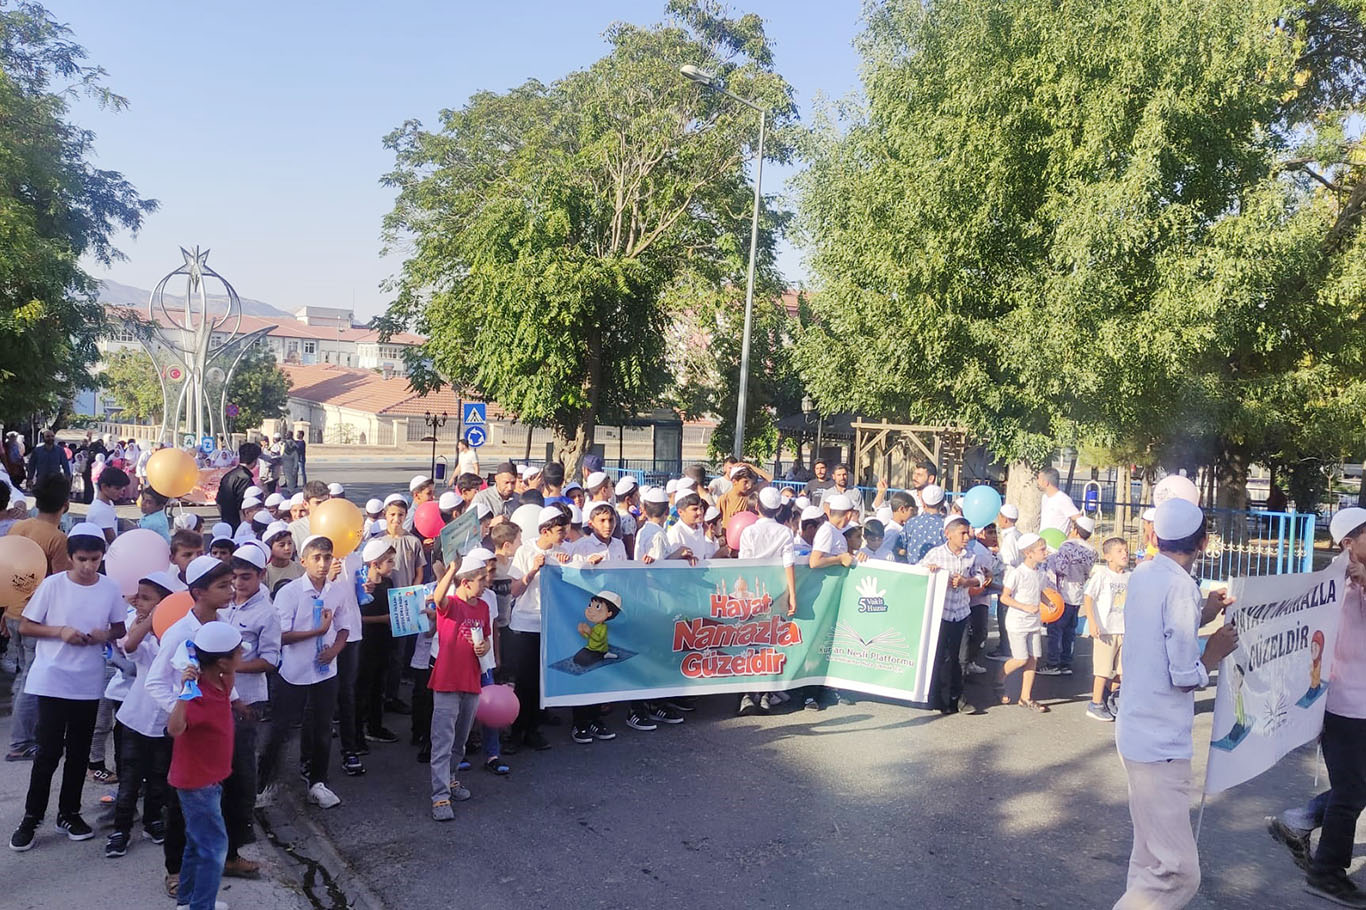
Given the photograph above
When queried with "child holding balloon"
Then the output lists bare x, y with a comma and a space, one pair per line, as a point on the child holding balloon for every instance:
1022, 591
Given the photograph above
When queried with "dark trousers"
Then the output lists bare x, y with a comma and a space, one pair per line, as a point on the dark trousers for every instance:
977, 630
239, 790
173, 848
946, 683
399, 656
422, 706
375, 652
1061, 635
523, 653
586, 714
66, 727
313, 706
146, 759
1344, 752
1002, 640
348, 667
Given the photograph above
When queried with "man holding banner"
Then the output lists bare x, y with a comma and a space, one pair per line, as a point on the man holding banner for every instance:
1163, 667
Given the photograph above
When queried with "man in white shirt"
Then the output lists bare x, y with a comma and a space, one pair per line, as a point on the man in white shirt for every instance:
1056, 508
1163, 666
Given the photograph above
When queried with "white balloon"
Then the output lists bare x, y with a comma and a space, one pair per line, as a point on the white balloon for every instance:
1175, 486
134, 554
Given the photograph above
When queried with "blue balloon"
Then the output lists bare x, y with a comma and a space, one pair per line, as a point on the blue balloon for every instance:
981, 505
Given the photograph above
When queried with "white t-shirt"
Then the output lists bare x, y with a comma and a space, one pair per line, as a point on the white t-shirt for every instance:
295, 606
101, 515
1107, 590
1009, 546
1055, 509
139, 710
1026, 586
829, 540
467, 463
645, 537
61, 670
526, 612
681, 535
766, 539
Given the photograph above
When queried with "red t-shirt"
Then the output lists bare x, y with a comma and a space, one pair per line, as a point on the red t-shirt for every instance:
202, 755
457, 667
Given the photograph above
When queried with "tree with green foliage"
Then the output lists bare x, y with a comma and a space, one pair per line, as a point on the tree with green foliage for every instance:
1132, 224
547, 224
258, 387
55, 208
130, 378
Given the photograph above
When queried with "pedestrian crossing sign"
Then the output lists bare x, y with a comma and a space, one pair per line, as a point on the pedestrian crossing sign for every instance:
475, 412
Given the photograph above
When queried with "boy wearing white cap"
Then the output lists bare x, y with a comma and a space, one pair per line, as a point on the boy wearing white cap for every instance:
464, 634
1022, 593
965, 572
253, 615
314, 494
1163, 666
598, 545
925, 531
1103, 607
654, 502
523, 642
282, 566
688, 538
1069, 568
336, 491
377, 646
767, 539
70, 615
628, 507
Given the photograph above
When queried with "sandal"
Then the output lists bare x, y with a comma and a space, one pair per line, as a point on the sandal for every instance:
497, 766
103, 776
27, 753
1034, 706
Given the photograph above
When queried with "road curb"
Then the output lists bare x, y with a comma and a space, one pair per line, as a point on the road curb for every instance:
328, 881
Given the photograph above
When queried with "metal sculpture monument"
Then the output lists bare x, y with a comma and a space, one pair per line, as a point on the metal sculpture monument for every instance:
196, 338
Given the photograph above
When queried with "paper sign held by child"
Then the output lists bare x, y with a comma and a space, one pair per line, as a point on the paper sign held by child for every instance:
405, 609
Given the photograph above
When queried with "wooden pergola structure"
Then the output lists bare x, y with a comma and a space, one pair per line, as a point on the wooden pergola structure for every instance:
942, 445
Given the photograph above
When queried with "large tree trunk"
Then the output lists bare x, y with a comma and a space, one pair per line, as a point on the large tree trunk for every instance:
574, 435
1232, 473
1022, 491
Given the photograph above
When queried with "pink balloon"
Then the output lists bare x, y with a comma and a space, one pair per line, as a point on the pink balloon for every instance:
738, 522
427, 519
498, 706
134, 554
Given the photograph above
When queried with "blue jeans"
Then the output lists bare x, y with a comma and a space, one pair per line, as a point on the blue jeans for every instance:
24, 724
493, 746
206, 846
1061, 635
1344, 753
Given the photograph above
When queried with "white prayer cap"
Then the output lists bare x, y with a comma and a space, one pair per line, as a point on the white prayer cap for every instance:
770, 498
595, 480
274, 500
252, 554
533, 470
243, 533
931, 494
336, 489
801, 502
572, 485
950, 520
374, 506
251, 502
421, 480
711, 514
262, 518
654, 494
1345, 522
575, 515
625, 485
612, 597
739, 469
1149, 514
720, 486
469, 565
840, 503
523, 470
1011, 511
686, 483
274, 530
297, 499
221, 531
1027, 540
480, 554
1175, 486
199, 567
1086, 523
217, 637
812, 513
374, 548
253, 490
1176, 519
311, 538
448, 501
396, 498
547, 515
671, 487
188, 521
598, 507
164, 579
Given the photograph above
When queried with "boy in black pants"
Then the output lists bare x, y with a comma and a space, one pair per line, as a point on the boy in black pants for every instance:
377, 645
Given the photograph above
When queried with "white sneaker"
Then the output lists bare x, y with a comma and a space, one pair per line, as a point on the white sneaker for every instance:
266, 797
973, 668
323, 797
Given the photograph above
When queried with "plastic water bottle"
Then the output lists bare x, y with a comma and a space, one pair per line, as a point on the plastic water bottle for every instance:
191, 689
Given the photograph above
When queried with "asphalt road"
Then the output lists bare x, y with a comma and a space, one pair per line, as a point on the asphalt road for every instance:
874, 804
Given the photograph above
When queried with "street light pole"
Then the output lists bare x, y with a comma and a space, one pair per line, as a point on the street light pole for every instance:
710, 81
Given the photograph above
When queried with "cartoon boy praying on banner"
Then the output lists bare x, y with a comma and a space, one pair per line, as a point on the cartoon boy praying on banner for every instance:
602, 608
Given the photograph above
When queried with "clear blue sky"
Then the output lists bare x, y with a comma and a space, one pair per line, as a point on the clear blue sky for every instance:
258, 125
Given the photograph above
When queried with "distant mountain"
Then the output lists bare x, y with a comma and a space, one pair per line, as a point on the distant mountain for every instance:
114, 294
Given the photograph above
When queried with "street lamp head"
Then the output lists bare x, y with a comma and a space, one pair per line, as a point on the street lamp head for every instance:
807, 404
698, 75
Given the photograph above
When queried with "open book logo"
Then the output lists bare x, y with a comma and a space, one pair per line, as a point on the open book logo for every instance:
871, 599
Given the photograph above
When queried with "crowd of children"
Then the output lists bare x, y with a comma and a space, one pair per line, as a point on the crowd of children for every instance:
284, 634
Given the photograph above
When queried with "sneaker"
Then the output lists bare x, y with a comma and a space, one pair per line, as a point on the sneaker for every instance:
155, 831
811, 704
459, 793
27, 753
1065, 671
765, 703
1112, 702
382, 735
583, 735
1099, 712
845, 698
537, 741
75, 827
1296, 840
1337, 888
442, 811
748, 707
265, 797
600, 731
22, 838
973, 668
116, 845
351, 764
241, 867
664, 713
319, 795
101, 776
1050, 671
998, 655
636, 720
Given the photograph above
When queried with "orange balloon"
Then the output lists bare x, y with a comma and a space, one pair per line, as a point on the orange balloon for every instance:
1050, 609
172, 472
339, 521
170, 611
22, 566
